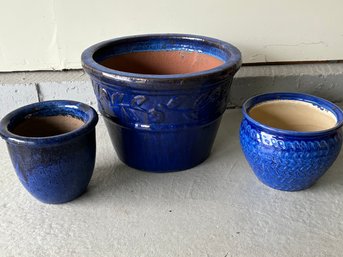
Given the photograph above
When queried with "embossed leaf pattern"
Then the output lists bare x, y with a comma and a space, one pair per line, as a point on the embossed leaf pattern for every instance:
129, 114
104, 94
155, 115
127, 105
138, 100
176, 102
117, 98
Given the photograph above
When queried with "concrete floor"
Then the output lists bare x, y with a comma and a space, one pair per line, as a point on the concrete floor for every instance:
218, 208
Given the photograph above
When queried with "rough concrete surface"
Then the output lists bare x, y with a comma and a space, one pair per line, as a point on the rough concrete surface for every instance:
69, 90
13, 96
325, 80
218, 208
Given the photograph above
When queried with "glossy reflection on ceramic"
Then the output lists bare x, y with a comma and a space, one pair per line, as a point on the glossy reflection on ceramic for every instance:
52, 148
162, 96
287, 159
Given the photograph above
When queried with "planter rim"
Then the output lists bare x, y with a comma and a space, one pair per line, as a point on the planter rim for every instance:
317, 101
170, 81
80, 110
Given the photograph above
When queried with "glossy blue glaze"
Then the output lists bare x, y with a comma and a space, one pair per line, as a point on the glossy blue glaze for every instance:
289, 160
54, 169
162, 122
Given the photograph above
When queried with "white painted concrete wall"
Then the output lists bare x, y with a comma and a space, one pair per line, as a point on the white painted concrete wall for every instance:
51, 34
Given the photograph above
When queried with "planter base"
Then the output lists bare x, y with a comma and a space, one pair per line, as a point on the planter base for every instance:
156, 151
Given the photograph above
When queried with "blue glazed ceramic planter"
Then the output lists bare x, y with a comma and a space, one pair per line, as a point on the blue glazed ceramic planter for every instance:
52, 148
162, 96
289, 160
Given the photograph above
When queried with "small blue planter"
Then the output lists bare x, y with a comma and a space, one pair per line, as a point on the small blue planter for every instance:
289, 160
162, 122
57, 168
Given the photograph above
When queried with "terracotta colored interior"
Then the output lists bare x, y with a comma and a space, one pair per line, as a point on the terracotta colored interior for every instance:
47, 126
293, 115
162, 62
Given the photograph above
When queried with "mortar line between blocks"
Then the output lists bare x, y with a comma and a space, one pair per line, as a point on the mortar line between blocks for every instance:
39, 93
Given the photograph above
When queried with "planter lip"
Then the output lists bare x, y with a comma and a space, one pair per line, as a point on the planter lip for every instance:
56, 107
315, 100
170, 81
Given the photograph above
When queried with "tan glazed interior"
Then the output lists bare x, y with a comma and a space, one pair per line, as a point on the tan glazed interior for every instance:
293, 115
47, 126
162, 62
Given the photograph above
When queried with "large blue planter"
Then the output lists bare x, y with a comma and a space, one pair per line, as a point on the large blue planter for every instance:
158, 120
289, 160
56, 167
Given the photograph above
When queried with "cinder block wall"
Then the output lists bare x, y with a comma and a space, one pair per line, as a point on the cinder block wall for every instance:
324, 80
